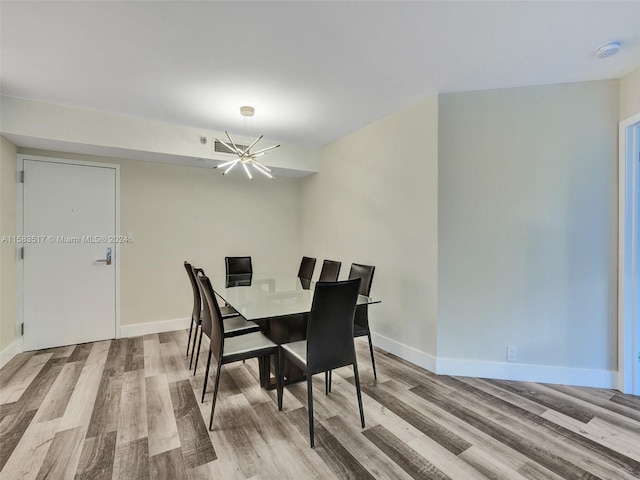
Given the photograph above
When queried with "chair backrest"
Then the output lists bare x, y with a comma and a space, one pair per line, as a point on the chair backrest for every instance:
197, 300
238, 265
365, 272
213, 316
307, 265
240, 280
330, 271
204, 316
330, 326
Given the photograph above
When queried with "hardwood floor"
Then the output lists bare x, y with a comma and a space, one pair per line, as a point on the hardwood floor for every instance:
130, 409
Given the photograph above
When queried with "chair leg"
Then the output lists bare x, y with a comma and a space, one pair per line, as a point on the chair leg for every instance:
263, 366
189, 340
193, 344
310, 407
357, 379
206, 377
327, 382
195, 367
373, 362
279, 379
215, 395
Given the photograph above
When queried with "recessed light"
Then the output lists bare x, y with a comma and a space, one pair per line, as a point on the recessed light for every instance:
608, 50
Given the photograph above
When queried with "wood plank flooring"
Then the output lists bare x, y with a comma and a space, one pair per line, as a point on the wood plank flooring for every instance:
130, 409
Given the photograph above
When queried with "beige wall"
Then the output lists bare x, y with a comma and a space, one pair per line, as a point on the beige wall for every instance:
528, 225
8, 262
374, 201
178, 213
630, 94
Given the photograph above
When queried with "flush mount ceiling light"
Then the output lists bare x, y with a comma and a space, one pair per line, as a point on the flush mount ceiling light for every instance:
608, 50
246, 157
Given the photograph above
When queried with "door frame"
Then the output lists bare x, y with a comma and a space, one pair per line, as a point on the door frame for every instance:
20, 231
628, 252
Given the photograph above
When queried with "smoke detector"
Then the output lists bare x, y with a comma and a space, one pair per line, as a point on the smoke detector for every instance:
608, 50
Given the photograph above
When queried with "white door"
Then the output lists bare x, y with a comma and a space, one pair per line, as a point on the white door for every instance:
69, 223
629, 257
635, 255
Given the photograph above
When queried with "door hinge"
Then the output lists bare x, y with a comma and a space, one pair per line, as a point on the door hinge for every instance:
21, 253
21, 176
22, 329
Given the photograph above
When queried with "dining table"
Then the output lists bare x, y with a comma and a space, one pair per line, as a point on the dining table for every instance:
280, 304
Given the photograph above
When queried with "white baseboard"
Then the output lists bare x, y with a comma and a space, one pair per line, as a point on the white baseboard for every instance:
405, 352
147, 328
582, 377
11, 351
500, 370
133, 330
442, 366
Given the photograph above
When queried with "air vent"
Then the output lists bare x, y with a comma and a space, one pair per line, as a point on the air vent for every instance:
219, 147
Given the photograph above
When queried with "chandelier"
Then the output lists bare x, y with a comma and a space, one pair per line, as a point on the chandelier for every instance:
246, 157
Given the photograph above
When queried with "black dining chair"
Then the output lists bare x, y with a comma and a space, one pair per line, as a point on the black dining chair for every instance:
329, 342
238, 265
228, 349
330, 271
307, 265
234, 324
196, 313
361, 320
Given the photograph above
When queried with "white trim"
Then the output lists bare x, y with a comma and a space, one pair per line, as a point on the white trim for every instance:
11, 351
628, 225
20, 230
498, 370
126, 331
405, 352
582, 377
147, 328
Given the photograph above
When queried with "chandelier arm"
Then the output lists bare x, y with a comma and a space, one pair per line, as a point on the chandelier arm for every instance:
262, 169
225, 164
262, 166
251, 146
239, 152
246, 169
230, 167
264, 173
232, 148
264, 150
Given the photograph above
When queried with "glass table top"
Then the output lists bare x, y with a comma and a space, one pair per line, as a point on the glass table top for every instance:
268, 295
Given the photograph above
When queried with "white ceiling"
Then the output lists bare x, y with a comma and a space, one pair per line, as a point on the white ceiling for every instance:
314, 71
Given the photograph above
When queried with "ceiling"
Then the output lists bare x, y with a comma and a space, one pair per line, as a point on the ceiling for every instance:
314, 70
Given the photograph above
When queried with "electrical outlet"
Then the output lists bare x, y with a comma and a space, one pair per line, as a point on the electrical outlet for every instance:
512, 353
